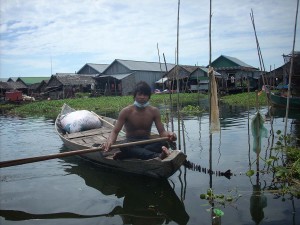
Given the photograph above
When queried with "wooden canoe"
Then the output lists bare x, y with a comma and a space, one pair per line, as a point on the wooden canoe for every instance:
281, 101
95, 137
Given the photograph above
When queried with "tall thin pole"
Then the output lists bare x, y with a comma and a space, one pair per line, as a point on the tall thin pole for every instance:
159, 64
261, 62
177, 63
51, 66
291, 71
209, 91
210, 3
210, 110
170, 95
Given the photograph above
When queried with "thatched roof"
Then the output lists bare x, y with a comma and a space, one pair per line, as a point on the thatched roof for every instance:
11, 85
4, 85
70, 80
181, 71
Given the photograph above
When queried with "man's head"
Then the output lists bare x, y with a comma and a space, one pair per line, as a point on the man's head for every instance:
142, 88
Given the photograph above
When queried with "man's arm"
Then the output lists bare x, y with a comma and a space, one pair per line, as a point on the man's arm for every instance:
160, 127
117, 128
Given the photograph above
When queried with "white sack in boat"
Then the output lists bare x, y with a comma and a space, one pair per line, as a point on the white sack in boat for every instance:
80, 120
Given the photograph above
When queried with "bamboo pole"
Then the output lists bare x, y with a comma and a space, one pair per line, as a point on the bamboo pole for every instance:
170, 96
290, 74
209, 96
177, 72
261, 61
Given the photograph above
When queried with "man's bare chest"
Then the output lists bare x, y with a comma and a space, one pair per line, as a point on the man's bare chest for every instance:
140, 120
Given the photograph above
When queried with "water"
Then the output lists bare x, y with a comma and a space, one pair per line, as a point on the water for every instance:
72, 191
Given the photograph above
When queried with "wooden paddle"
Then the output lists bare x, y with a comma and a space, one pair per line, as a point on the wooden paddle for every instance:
76, 152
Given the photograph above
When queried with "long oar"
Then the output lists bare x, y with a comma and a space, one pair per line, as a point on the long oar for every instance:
76, 152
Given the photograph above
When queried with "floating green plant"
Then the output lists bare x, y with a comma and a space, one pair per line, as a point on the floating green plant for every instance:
192, 110
219, 200
285, 165
218, 212
245, 99
103, 104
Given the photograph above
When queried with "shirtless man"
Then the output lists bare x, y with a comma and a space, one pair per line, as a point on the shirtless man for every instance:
138, 119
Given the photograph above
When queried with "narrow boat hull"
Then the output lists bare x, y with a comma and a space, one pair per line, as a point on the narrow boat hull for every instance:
86, 139
281, 101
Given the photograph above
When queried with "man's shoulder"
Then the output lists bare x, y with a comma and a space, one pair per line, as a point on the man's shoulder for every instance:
153, 107
128, 108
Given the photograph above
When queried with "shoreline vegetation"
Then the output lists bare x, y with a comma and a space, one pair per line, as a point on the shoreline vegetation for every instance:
189, 103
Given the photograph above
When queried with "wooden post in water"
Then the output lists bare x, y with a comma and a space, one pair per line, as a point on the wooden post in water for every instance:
291, 71
177, 72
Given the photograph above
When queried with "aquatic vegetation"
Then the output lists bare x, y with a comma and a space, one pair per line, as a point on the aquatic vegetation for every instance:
102, 105
191, 110
285, 166
245, 99
219, 200
288, 172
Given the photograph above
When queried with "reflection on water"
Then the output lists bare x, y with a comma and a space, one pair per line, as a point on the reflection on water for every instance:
258, 202
258, 199
145, 200
71, 191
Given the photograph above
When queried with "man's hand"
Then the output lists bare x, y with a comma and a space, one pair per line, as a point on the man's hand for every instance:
172, 136
106, 146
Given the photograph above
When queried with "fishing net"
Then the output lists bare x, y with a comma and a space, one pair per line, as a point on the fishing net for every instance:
214, 108
258, 131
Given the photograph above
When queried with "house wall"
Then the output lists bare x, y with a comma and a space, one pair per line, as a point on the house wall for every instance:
148, 76
198, 81
53, 82
237, 78
128, 84
197, 74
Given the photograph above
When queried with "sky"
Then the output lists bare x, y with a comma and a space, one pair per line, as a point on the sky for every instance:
42, 37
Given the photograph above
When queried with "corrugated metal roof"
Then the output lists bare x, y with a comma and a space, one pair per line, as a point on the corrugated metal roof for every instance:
237, 61
145, 66
117, 76
99, 67
33, 80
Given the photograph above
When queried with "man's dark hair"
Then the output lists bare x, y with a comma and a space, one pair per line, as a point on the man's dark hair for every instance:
142, 88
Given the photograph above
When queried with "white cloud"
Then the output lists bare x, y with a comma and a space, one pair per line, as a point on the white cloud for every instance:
75, 32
